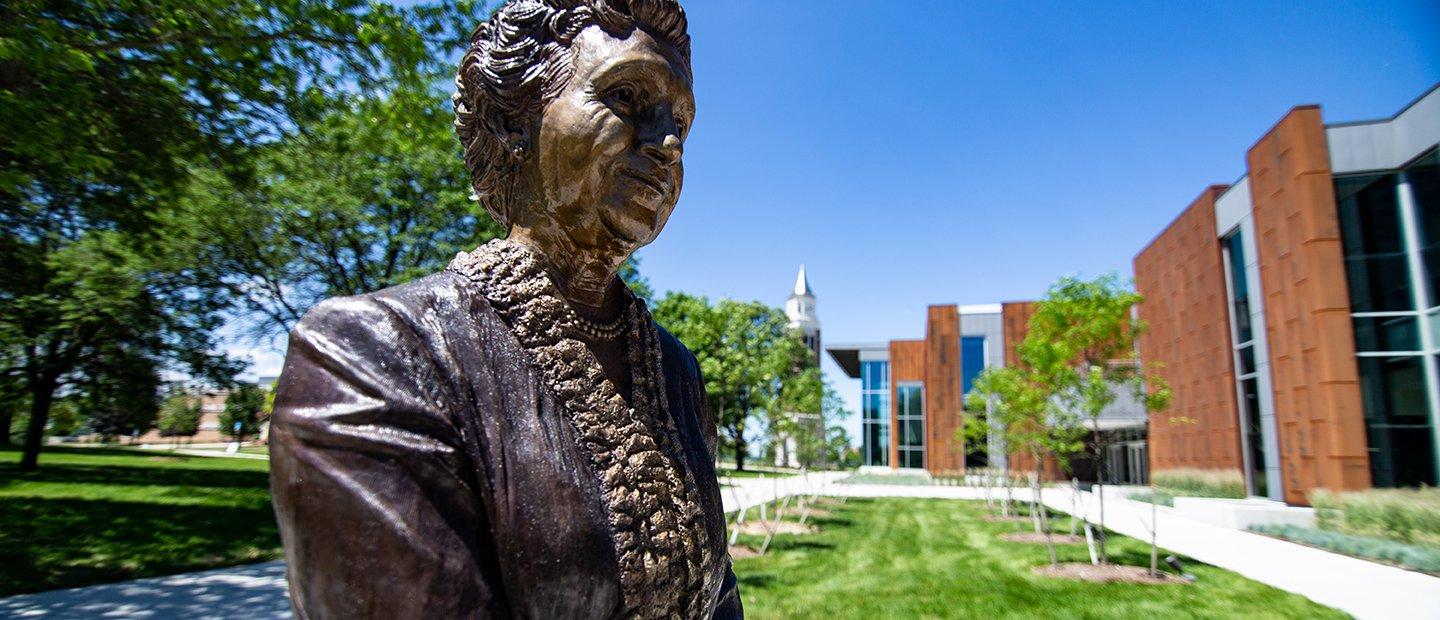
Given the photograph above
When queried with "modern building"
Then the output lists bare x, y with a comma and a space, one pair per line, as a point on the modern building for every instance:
912, 394
1295, 313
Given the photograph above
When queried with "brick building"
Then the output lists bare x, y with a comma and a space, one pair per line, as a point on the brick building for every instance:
1295, 311
912, 394
1295, 314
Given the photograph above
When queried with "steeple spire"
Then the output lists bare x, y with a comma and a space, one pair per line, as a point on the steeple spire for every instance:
802, 283
800, 309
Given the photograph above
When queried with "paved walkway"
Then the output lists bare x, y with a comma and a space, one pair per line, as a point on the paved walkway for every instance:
1364, 589
255, 591
750, 492
1360, 588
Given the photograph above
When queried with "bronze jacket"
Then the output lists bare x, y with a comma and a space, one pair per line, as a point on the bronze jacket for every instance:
423, 466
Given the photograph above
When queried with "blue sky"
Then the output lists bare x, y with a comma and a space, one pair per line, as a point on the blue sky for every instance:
940, 151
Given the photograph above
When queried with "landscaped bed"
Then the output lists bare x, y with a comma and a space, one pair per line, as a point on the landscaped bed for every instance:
95, 515
907, 558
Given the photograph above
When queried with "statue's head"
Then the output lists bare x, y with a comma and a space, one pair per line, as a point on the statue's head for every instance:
573, 113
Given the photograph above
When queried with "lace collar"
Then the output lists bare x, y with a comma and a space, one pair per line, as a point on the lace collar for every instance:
650, 494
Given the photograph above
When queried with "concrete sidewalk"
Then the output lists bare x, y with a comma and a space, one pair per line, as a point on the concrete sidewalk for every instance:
751, 492
1360, 588
254, 591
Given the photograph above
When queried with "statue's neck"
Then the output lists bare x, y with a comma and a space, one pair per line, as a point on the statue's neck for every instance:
584, 276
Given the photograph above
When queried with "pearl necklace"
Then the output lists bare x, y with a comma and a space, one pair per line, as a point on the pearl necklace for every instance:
595, 330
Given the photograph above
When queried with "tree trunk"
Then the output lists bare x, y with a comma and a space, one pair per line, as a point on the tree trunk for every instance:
1154, 538
1100, 488
41, 396
7, 419
1040, 505
740, 450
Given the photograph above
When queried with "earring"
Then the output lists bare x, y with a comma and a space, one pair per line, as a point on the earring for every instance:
519, 147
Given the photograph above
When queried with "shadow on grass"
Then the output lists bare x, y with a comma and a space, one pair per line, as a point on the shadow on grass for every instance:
754, 580
831, 521
801, 543
57, 543
140, 476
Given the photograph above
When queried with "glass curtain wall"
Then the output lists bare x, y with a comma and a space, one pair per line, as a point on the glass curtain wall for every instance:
1390, 227
972, 363
875, 412
910, 415
1243, 343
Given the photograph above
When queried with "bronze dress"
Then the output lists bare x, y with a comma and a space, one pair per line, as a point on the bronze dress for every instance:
445, 448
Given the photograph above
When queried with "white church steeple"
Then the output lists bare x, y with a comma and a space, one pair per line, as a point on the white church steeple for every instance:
800, 309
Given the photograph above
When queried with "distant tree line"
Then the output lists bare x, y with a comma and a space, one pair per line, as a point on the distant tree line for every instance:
168, 167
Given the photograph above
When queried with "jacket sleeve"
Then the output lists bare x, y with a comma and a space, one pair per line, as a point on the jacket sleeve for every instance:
728, 606
377, 516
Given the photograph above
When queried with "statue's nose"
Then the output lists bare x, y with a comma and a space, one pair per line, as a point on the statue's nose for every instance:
667, 151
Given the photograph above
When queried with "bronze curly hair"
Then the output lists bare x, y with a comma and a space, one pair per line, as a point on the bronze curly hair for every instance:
518, 62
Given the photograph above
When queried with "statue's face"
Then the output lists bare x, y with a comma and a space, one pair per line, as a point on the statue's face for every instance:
609, 146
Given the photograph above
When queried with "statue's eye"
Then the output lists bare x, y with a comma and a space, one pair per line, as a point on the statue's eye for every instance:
625, 96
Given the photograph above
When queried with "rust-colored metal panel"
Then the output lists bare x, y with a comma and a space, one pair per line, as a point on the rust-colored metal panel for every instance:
1181, 275
943, 454
1015, 324
1302, 275
907, 363
1015, 319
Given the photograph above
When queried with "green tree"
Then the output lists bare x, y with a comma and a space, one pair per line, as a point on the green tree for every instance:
243, 409
747, 354
1021, 406
179, 416
367, 195
106, 108
1091, 325
65, 418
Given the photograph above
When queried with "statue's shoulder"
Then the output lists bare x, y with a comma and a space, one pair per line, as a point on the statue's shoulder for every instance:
675, 353
441, 293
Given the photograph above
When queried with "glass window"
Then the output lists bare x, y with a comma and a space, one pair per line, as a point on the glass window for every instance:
1386, 333
1247, 359
1424, 179
1394, 390
972, 361
910, 414
1250, 409
1240, 286
914, 432
875, 412
1374, 244
875, 375
1397, 421
1434, 329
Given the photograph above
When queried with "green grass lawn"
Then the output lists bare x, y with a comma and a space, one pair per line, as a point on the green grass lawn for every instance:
95, 515
905, 558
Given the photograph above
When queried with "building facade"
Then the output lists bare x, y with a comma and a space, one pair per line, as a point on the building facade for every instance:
912, 396
1294, 313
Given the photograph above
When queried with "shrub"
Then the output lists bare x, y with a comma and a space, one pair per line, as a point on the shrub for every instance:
1416, 557
1405, 515
1201, 482
1160, 497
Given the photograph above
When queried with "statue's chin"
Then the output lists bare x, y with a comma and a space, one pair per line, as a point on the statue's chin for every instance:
635, 220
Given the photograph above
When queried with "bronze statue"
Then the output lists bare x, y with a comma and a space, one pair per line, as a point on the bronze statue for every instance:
515, 436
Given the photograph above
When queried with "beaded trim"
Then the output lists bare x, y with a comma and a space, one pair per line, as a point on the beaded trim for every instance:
650, 495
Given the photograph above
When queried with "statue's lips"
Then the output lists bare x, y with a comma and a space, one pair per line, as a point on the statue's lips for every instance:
655, 183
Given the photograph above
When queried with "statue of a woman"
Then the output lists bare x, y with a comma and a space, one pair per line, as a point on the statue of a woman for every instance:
515, 436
